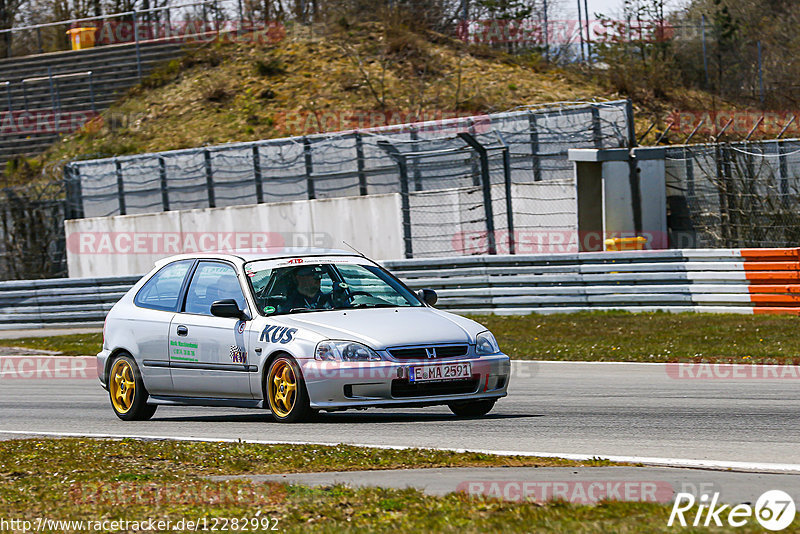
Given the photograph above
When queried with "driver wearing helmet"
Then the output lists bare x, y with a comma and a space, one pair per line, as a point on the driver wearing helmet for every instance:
306, 292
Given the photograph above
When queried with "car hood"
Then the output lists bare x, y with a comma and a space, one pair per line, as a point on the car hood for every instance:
389, 327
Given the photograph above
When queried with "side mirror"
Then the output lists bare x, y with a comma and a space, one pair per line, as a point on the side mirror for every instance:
428, 296
228, 308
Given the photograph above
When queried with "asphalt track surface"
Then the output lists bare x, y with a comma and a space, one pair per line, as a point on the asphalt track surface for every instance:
660, 484
612, 411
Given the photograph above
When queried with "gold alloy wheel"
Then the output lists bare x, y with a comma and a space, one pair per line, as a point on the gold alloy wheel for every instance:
122, 386
282, 388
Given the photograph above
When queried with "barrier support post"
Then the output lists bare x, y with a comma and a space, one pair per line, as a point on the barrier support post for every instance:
120, 187
362, 176
535, 158
162, 175
257, 175
483, 157
212, 202
312, 194
402, 165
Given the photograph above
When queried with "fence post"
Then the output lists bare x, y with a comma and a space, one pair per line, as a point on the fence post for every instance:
597, 129
509, 202
546, 35
689, 162
722, 188
73, 193
120, 187
362, 176
476, 175
404, 198
257, 175
25, 95
168, 28
312, 194
212, 203
91, 91
136, 39
414, 162
52, 88
535, 158
783, 169
633, 168
162, 175
8, 96
39, 40
483, 156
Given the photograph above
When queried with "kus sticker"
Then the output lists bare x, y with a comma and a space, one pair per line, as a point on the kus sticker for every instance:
240, 327
278, 334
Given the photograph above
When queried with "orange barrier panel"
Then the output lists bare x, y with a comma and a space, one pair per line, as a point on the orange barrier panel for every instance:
758, 310
772, 277
769, 253
772, 266
774, 288
774, 298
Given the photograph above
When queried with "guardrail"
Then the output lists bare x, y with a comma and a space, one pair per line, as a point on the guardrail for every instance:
55, 94
747, 281
134, 15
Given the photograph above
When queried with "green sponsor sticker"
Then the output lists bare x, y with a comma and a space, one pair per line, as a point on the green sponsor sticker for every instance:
269, 309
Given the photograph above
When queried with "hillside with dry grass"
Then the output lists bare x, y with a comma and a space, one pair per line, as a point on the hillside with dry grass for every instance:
358, 76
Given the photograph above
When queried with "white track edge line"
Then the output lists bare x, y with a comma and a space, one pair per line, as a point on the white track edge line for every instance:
650, 461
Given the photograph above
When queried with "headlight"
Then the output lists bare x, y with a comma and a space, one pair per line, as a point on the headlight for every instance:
486, 344
344, 351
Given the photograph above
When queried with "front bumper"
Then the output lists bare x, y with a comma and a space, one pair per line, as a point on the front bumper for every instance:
336, 385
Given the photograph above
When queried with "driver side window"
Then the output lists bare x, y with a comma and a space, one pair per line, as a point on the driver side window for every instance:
212, 282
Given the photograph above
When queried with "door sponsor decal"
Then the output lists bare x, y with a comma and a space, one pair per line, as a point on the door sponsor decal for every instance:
238, 354
277, 334
182, 349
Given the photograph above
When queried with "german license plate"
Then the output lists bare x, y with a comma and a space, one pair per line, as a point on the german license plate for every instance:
430, 373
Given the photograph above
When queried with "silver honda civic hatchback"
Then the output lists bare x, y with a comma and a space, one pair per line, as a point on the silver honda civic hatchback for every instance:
294, 332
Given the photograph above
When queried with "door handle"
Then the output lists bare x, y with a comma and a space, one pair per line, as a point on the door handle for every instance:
183, 331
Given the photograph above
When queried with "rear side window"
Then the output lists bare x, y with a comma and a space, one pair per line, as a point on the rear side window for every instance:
162, 290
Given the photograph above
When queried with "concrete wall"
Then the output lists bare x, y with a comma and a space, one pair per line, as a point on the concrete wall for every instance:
130, 244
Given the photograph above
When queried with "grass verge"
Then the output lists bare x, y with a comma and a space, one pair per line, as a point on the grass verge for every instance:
131, 480
648, 337
69, 345
613, 336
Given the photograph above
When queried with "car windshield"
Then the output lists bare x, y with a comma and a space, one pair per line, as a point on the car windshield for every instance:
321, 286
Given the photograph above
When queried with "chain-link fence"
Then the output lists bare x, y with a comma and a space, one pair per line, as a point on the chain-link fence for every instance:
32, 232
459, 178
734, 195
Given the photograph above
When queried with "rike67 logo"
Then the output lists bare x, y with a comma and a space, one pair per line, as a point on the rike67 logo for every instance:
774, 510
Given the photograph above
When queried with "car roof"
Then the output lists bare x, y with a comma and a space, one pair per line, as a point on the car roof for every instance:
246, 255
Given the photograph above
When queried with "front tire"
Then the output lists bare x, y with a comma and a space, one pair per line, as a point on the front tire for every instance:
472, 408
127, 392
286, 391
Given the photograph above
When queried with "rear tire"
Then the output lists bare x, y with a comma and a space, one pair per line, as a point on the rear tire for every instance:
472, 408
286, 391
127, 392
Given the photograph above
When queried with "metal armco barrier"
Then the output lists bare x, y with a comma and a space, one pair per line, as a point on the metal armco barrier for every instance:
72, 301
747, 281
